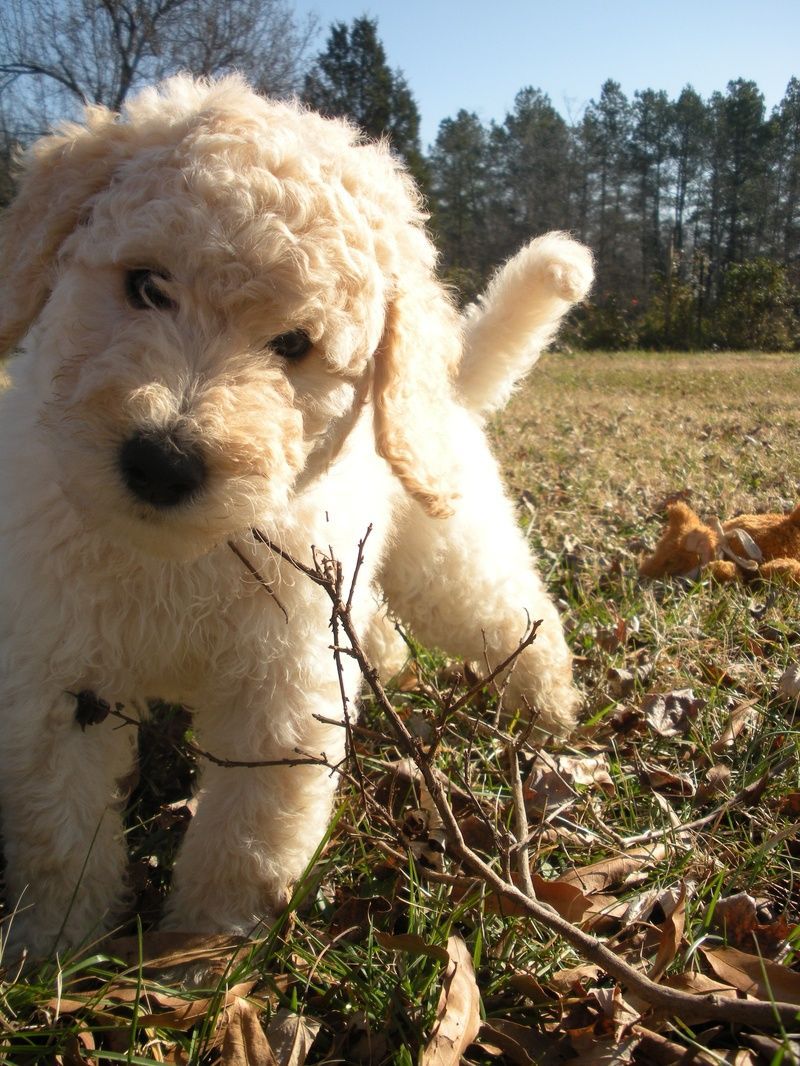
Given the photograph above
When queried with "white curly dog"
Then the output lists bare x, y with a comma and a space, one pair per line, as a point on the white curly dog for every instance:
229, 318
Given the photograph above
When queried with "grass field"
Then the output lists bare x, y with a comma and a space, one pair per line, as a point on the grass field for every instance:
668, 826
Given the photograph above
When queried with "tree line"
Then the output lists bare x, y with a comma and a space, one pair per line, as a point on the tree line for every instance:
691, 205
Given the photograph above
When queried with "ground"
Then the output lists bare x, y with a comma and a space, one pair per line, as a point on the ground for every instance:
668, 826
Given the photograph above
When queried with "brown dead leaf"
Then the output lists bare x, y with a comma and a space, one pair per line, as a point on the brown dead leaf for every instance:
458, 1019
574, 980
716, 781
754, 975
656, 1050
355, 913
671, 714
412, 945
698, 984
671, 936
527, 984
615, 871
566, 899
520, 1044
554, 780
211, 954
789, 684
666, 781
77, 1050
737, 917
772, 1049
741, 715
290, 1036
182, 1013
244, 1042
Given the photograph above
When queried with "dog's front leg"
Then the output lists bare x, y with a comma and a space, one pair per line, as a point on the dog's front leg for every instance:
61, 825
256, 827
468, 585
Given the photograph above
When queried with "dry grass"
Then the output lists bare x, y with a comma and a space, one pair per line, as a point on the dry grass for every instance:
591, 446
605, 437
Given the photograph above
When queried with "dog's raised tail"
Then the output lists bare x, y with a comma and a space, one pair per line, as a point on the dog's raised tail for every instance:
517, 317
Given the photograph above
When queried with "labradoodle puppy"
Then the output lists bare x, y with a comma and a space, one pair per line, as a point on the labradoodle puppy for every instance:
229, 319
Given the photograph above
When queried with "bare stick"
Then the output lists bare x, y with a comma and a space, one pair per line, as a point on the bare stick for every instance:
520, 820
264, 584
691, 1008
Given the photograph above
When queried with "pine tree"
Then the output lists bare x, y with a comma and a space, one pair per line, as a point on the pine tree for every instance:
352, 79
532, 168
459, 164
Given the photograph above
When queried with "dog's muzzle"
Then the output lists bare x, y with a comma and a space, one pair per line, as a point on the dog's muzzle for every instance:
160, 470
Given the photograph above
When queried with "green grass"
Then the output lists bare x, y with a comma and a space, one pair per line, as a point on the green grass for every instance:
594, 442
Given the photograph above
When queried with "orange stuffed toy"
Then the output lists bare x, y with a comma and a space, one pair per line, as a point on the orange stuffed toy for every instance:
752, 545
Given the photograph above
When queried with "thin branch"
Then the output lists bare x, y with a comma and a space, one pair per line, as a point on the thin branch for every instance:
744, 795
520, 820
252, 569
691, 1008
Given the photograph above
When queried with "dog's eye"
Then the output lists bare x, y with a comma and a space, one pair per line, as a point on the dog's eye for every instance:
292, 345
144, 292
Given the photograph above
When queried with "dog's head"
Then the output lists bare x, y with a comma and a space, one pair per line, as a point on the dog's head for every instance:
213, 283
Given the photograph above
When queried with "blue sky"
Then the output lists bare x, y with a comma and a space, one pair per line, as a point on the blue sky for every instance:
477, 54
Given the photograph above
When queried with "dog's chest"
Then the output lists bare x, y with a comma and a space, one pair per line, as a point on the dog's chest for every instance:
164, 630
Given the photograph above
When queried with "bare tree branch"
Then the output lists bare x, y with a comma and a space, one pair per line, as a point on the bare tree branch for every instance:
690, 1008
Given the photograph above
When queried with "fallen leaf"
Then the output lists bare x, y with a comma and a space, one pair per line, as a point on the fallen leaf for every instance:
554, 780
77, 1050
754, 975
614, 871
740, 716
244, 1042
670, 714
789, 683
666, 781
183, 1013
656, 1050
212, 953
353, 915
771, 1048
520, 1044
412, 944
458, 1019
671, 936
290, 1036
568, 900
698, 984
575, 979
737, 917
716, 780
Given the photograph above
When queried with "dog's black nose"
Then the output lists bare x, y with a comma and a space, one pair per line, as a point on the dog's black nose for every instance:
159, 470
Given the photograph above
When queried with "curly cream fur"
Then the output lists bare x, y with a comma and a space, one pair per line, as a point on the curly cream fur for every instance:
265, 219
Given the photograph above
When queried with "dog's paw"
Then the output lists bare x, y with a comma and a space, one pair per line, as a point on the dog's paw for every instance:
553, 706
567, 266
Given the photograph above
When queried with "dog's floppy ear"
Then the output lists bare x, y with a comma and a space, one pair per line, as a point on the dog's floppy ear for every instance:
59, 173
413, 394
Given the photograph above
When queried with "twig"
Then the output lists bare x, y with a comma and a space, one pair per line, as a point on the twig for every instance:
742, 796
303, 759
520, 820
252, 569
691, 1008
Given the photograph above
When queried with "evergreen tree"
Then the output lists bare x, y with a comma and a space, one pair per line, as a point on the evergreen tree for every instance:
532, 156
649, 151
352, 79
786, 162
689, 136
459, 164
605, 130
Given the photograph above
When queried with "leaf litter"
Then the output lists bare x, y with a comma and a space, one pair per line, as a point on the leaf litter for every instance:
680, 734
